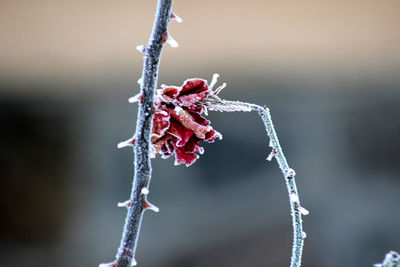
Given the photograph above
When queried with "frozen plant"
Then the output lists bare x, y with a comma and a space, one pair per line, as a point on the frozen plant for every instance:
171, 122
392, 259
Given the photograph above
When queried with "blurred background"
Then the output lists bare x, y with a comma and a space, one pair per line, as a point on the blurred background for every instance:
328, 70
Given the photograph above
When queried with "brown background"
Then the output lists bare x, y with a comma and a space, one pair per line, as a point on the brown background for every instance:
328, 70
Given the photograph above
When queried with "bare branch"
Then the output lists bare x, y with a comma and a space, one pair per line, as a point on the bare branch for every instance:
138, 201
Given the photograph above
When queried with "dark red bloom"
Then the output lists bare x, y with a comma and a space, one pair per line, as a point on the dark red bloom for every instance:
178, 125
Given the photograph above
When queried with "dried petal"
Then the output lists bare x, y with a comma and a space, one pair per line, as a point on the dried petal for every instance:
178, 125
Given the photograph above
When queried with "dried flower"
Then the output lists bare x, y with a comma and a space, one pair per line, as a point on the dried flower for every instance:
178, 124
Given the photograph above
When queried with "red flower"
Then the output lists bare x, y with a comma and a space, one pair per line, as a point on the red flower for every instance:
178, 125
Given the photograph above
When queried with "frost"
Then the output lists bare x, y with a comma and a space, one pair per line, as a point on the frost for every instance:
135, 98
290, 173
303, 211
176, 18
145, 191
126, 143
213, 81
177, 109
140, 48
124, 204
392, 259
294, 197
303, 235
139, 81
171, 41
271, 155
219, 89
148, 206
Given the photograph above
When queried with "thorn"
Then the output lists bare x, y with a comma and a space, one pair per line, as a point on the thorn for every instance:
271, 155
219, 89
171, 41
290, 173
110, 264
176, 17
148, 205
303, 211
205, 111
303, 235
213, 80
294, 197
129, 142
134, 262
141, 48
125, 204
145, 191
140, 80
135, 98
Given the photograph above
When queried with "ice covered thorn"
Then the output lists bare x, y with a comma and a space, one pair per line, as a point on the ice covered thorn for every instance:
219, 89
140, 48
171, 41
148, 205
139, 81
213, 80
205, 110
129, 142
271, 155
125, 204
176, 17
135, 98
145, 191
303, 211
110, 264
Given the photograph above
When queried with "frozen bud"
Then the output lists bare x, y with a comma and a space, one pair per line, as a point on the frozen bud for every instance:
178, 122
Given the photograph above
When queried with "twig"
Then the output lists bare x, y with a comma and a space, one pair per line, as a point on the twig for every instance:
138, 201
217, 104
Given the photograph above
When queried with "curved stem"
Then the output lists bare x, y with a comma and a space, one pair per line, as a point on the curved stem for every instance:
217, 104
289, 174
138, 203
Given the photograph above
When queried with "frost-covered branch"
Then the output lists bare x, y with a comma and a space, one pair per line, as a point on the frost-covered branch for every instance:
392, 259
217, 104
138, 201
